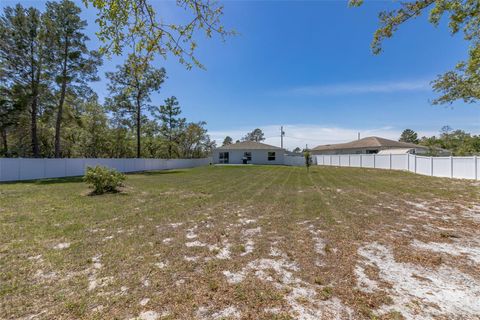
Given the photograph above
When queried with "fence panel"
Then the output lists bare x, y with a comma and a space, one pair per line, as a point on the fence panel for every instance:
355, 160
13, 169
334, 160
295, 161
10, 169
400, 161
450, 167
464, 167
55, 168
442, 167
344, 161
424, 165
368, 161
382, 161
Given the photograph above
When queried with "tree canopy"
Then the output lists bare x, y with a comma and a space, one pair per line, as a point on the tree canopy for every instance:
256, 135
408, 135
123, 21
48, 109
463, 81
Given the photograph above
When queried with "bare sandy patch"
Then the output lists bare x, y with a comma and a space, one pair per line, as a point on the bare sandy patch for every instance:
62, 245
421, 293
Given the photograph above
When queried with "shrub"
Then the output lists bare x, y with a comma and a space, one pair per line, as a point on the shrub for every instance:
103, 179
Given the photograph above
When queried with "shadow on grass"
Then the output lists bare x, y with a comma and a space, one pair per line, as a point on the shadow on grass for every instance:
48, 181
159, 172
78, 179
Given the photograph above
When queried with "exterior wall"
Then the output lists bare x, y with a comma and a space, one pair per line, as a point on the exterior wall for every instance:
361, 151
448, 167
13, 169
258, 156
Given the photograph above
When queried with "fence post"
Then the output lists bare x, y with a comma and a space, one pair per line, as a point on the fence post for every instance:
476, 167
361, 161
451, 167
349, 161
431, 166
415, 168
374, 161
390, 161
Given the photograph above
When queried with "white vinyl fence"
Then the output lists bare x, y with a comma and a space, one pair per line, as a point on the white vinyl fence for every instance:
449, 167
13, 169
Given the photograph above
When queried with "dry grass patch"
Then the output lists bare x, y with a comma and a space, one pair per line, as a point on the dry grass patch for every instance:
243, 243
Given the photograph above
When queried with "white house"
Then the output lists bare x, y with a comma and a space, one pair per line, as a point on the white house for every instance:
249, 152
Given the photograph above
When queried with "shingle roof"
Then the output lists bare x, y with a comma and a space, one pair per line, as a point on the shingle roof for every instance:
368, 142
249, 145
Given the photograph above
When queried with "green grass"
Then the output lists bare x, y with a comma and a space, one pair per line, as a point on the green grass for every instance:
344, 203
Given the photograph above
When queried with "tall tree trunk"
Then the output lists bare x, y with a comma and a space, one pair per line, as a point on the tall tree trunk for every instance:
35, 77
4, 141
58, 124
139, 118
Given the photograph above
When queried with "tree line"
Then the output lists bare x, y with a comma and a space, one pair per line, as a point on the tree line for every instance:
48, 109
459, 142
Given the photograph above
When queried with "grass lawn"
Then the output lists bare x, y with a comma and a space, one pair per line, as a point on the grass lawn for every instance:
243, 242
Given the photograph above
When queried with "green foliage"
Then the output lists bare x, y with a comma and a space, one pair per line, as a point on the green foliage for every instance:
172, 124
256, 135
462, 83
410, 136
73, 65
47, 108
228, 140
120, 21
103, 179
458, 142
130, 88
308, 159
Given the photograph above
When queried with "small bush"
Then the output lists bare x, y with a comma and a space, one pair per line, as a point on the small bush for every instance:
103, 179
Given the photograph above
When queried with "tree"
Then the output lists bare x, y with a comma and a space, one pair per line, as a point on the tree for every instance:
459, 142
120, 21
131, 86
256, 135
9, 113
22, 59
297, 150
308, 159
171, 124
94, 140
194, 141
228, 140
461, 83
74, 65
408, 135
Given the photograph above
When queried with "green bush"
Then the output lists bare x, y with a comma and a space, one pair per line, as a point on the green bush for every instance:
103, 179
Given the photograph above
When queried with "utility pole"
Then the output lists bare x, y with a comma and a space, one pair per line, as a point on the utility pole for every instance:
282, 133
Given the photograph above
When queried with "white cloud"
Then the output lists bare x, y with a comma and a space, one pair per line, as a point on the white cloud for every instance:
361, 88
300, 134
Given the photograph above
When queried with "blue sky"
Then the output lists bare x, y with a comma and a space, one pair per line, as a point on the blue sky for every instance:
308, 66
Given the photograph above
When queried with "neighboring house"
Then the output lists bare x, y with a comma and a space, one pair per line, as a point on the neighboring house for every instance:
249, 152
372, 145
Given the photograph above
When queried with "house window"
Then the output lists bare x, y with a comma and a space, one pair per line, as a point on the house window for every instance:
271, 156
223, 157
247, 156
371, 151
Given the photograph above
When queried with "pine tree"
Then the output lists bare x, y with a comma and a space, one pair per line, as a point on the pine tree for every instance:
130, 87
171, 123
22, 57
73, 64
